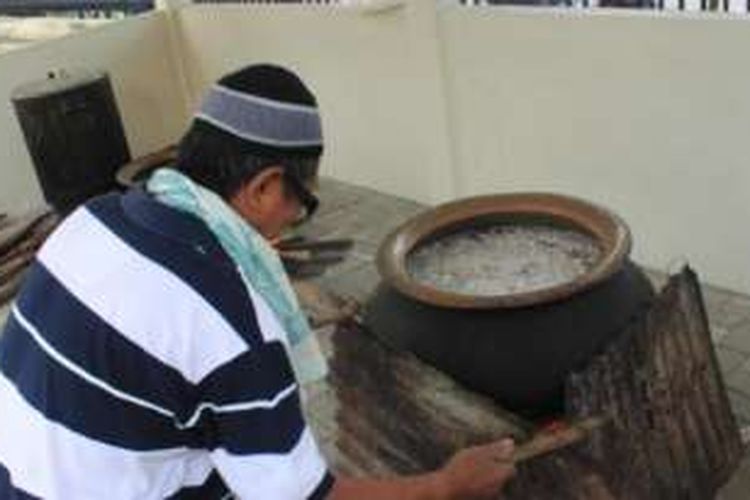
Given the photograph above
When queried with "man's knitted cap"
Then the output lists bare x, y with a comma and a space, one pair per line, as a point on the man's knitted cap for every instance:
269, 108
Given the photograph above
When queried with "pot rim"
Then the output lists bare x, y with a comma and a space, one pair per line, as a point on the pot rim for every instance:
607, 228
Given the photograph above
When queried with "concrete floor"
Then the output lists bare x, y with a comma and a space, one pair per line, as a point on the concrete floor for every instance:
368, 216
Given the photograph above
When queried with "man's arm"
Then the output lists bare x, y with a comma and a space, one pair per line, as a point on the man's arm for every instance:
475, 473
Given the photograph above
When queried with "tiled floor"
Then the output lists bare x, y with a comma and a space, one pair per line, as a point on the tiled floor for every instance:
368, 216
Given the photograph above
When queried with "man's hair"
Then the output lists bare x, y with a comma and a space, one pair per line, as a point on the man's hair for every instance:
224, 162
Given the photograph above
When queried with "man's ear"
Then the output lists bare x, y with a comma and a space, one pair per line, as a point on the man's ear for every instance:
248, 199
251, 193
265, 179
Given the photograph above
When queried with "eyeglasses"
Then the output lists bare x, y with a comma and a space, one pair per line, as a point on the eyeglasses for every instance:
307, 199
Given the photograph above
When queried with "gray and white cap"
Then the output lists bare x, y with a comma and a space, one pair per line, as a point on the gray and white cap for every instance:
267, 106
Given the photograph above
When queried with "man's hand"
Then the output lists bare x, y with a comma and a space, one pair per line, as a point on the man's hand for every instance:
479, 472
476, 473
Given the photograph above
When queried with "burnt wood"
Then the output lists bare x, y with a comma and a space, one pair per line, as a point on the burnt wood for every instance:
19, 242
14, 232
672, 434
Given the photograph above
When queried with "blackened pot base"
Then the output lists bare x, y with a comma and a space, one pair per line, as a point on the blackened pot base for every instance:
519, 357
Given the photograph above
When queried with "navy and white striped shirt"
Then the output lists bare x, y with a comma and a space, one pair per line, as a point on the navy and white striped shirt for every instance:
134, 365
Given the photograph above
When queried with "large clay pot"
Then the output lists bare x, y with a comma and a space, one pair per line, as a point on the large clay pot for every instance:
515, 348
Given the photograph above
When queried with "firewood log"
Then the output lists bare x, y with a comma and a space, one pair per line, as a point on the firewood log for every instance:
9, 269
9, 290
17, 231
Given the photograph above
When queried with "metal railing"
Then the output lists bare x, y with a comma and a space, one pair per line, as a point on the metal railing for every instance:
88, 8
737, 6
742, 6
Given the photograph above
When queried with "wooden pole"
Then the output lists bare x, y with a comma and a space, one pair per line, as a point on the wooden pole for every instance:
548, 442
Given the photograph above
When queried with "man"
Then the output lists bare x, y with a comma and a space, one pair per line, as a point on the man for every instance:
155, 350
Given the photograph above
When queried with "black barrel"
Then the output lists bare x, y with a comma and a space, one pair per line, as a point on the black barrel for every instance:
74, 134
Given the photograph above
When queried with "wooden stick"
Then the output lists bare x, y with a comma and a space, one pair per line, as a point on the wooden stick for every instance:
16, 265
23, 248
9, 290
290, 240
14, 233
32, 240
296, 255
30, 244
316, 245
347, 312
547, 442
310, 259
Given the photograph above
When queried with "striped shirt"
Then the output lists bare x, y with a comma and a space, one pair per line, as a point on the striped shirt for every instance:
135, 364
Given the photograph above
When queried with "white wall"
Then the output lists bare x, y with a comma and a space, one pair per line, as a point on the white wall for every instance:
377, 76
648, 115
137, 54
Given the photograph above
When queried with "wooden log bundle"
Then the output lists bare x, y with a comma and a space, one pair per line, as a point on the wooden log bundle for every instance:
20, 238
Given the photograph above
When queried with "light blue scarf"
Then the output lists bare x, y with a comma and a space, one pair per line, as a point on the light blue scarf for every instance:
257, 262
